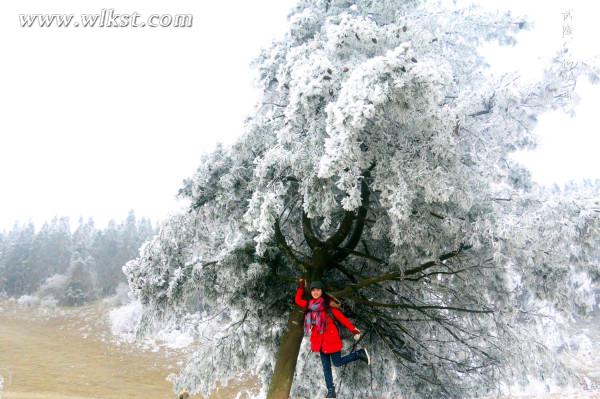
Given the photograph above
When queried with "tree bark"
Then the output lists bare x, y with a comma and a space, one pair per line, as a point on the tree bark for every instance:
287, 356
314, 267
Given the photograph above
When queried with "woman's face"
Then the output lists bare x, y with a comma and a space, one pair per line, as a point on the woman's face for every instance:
316, 293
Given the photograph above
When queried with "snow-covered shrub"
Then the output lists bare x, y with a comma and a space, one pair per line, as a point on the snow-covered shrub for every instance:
125, 319
121, 296
28, 301
54, 286
49, 302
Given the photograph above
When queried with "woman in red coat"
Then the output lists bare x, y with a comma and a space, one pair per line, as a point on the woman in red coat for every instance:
324, 336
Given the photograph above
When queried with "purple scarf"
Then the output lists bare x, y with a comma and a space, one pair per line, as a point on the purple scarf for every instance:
315, 316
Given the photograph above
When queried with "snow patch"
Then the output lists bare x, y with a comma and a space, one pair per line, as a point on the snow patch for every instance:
536, 387
28, 301
5, 380
125, 320
49, 302
174, 339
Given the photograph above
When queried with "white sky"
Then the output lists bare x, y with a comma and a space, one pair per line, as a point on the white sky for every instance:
568, 147
94, 122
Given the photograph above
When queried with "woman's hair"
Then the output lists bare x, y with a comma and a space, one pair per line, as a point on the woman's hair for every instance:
326, 300
335, 301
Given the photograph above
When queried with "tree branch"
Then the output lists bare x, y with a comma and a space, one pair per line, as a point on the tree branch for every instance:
364, 255
451, 272
359, 224
342, 232
346, 272
309, 234
442, 258
282, 244
418, 307
398, 275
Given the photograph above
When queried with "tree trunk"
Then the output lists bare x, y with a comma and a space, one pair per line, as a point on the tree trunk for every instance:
285, 366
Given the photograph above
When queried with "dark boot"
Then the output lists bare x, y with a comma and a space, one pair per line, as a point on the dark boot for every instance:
330, 394
364, 356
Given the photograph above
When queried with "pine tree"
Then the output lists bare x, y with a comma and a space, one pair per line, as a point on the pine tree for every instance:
16, 264
378, 162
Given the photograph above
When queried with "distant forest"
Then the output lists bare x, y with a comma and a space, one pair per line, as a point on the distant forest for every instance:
69, 267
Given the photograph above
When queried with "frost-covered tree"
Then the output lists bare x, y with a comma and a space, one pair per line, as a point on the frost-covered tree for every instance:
15, 265
115, 245
44, 262
30, 257
378, 162
81, 283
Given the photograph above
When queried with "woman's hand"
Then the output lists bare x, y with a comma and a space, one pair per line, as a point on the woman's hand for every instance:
301, 283
356, 333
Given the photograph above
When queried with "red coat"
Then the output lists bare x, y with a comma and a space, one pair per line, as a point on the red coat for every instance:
329, 341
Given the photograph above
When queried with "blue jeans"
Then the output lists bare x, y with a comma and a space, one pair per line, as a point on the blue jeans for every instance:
338, 360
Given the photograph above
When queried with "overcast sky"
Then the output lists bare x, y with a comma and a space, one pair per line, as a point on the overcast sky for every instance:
94, 122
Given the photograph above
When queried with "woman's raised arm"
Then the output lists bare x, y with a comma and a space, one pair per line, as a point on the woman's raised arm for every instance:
300, 301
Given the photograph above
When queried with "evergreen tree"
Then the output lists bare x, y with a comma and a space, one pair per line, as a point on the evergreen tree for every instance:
79, 287
88, 260
16, 262
378, 162
116, 245
50, 252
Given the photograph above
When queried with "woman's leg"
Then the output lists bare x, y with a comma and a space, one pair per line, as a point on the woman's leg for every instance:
326, 361
338, 360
